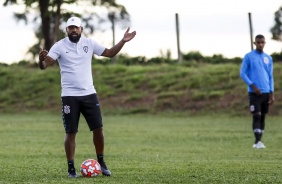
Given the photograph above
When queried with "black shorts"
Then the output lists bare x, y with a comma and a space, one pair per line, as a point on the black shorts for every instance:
88, 105
259, 103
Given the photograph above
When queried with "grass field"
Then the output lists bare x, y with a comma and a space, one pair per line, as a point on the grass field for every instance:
143, 149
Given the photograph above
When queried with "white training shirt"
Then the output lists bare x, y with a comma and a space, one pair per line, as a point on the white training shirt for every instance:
75, 64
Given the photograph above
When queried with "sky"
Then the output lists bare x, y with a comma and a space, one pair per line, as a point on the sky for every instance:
208, 26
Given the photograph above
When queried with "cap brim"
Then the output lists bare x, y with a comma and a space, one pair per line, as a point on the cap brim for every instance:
77, 25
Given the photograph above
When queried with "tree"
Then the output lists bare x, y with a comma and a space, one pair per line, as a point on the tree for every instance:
51, 15
276, 30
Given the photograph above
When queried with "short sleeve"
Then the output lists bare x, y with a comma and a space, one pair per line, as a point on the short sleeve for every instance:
54, 52
98, 49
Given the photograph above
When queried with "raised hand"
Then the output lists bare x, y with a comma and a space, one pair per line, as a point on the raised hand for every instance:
42, 57
42, 54
128, 36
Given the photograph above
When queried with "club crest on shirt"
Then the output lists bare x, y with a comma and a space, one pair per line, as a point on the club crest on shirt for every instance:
85, 48
266, 60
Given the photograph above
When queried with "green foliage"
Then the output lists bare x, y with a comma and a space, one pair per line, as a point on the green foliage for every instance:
52, 16
200, 88
189, 59
26, 88
143, 149
215, 59
194, 55
277, 57
276, 29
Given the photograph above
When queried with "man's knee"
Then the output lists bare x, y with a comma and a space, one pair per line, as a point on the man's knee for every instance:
256, 116
70, 136
98, 130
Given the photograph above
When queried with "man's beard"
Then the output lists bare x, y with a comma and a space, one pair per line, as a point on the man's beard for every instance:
260, 50
73, 38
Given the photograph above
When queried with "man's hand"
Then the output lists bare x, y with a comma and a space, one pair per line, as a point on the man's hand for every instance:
271, 99
128, 36
255, 89
116, 48
42, 57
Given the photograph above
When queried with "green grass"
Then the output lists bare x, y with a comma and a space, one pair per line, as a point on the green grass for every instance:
131, 89
143, 149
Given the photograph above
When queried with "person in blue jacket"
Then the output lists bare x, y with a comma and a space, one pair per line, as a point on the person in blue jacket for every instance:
257, 72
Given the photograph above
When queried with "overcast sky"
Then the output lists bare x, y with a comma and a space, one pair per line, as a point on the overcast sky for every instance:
208, 26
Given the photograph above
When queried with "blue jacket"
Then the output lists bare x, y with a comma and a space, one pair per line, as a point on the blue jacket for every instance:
257, 69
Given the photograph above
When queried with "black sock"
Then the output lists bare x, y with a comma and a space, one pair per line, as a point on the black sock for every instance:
100, 158
256, 127
70, 165
262, 124
257, 136
261, 134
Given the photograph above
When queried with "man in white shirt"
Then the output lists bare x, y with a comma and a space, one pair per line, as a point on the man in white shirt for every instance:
74, 54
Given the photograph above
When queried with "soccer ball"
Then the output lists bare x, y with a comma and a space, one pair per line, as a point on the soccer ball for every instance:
90, 168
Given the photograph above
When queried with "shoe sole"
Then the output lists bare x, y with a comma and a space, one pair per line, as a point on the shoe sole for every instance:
104, 174
72, 176
259, 147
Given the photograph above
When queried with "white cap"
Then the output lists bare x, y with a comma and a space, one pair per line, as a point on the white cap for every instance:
74, 21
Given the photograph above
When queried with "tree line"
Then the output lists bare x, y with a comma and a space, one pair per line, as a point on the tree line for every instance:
49, 15
192, 58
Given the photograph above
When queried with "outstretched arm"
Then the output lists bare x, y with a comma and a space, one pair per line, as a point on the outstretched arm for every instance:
115, 49
44, 60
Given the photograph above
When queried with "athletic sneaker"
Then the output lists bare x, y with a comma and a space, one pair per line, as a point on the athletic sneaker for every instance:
259, 145
72, 174
104, 169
